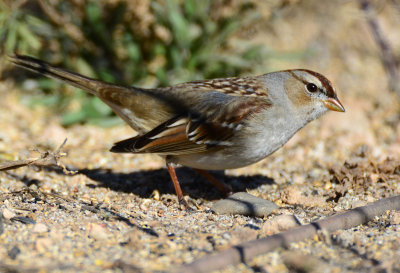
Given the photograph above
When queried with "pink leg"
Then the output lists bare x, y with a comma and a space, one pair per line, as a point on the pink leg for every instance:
175, 181
224, 188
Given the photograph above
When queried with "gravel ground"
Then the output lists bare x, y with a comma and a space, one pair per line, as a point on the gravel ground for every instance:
119, 213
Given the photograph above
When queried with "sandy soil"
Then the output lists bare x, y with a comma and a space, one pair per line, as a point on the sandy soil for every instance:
119, 212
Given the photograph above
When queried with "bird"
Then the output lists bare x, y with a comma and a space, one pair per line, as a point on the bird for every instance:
214, 124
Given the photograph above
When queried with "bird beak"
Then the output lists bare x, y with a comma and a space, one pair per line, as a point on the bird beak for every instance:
334, 104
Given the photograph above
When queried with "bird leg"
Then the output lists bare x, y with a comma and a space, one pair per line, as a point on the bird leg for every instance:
222, 187
177, 186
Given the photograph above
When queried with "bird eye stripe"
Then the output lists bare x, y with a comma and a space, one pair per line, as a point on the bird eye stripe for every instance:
330, 92
297, 77
307, 84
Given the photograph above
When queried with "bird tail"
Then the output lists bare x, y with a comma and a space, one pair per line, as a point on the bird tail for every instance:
41, 67
136, 106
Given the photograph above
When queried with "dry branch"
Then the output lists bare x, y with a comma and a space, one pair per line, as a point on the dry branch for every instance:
388, 59
248, 250
47, 158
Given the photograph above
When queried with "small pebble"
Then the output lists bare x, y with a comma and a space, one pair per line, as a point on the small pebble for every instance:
13, 252
280, 223
298, 262
243, 203
98, 232
395, 218
8, 214
40, 228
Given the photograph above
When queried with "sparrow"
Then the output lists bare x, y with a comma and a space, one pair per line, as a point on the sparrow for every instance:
215, 124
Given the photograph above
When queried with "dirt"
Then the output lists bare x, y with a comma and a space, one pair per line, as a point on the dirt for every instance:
119, 212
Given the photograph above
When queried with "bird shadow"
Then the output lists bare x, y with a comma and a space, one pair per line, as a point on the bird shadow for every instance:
144, 183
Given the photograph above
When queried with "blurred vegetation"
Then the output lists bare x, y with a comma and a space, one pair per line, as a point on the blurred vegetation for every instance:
138, 42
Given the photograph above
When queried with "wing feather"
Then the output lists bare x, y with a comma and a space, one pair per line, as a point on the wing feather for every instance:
193, 132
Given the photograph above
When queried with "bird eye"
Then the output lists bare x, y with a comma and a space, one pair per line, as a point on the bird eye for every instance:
311, 87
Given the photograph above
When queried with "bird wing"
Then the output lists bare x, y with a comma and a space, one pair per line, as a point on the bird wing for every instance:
210, 124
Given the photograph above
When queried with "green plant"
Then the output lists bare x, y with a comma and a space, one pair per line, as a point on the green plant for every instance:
141, 42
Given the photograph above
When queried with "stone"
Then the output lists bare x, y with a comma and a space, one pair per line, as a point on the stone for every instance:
280, 223
243, 203
40, 228
8, 214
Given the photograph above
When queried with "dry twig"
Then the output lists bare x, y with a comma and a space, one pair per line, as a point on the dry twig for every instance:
248, 250
388, 58
46, 159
